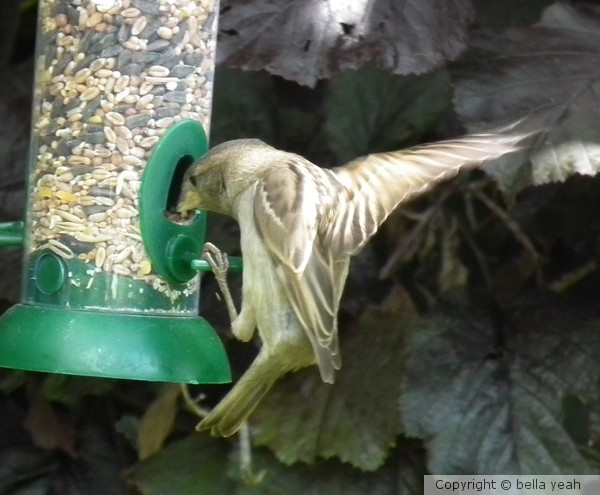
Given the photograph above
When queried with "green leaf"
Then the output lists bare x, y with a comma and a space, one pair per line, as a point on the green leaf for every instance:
402, 474
549, 76
373, 110
355, 419
201, 464
72, 390
485, 390
197, 464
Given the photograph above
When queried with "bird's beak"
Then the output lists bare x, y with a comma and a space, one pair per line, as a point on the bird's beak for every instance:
189, 201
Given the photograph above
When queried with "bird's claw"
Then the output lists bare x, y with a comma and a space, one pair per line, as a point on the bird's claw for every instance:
217, 259
219, 264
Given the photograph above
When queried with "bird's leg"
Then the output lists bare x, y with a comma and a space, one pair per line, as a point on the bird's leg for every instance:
248, 474
193, 403
244, 323
245, 442
219, 265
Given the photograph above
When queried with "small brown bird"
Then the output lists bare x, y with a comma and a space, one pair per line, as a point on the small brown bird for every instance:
299, 226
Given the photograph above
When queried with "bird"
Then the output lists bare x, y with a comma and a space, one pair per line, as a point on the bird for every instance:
299, 226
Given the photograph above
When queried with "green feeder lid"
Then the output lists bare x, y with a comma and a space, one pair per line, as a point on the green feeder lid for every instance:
112, 345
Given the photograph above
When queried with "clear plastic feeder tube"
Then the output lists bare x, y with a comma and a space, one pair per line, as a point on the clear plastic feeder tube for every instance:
111, 77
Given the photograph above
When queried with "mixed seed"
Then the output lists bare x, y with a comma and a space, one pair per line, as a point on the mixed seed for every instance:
111, 77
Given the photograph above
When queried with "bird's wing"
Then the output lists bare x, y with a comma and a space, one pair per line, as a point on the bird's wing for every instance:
286, 209
314, 296
376, 184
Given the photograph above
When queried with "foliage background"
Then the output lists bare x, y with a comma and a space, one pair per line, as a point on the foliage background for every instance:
470, 325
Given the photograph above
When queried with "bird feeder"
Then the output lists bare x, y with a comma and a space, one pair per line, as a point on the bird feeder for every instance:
122, 92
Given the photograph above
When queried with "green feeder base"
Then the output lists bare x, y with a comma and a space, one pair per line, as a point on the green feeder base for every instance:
112, 345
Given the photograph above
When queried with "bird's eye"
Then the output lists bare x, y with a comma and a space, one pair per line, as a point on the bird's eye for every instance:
194, 180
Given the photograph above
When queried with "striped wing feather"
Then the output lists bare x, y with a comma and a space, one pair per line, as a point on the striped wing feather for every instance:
285, 209
376, 184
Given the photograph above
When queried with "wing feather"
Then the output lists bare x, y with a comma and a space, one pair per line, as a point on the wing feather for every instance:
286, 210
376, 184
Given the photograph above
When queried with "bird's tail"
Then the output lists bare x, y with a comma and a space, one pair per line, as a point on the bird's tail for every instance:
228, 416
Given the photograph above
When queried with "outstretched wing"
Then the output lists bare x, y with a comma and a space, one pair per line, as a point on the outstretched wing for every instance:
374, 185
286, 209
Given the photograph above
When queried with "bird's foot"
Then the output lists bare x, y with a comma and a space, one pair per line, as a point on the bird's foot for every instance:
219, 264
218, 261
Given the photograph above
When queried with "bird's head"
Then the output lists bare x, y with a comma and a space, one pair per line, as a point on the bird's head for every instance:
217, 178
